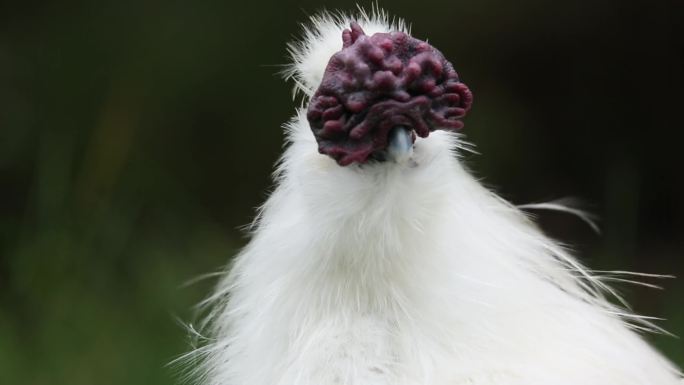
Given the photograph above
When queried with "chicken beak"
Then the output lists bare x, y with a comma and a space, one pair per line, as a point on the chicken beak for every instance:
400, 144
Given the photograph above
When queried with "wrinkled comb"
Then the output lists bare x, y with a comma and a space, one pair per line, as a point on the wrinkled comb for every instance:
378, 82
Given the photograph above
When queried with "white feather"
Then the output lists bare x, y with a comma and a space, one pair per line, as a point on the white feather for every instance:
407, 274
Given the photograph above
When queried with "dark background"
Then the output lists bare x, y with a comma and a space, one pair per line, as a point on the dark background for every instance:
136, 137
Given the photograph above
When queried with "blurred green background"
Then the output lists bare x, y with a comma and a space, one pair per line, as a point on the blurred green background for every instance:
134, 143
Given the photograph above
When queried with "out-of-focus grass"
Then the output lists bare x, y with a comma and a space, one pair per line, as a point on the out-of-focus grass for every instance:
76, 312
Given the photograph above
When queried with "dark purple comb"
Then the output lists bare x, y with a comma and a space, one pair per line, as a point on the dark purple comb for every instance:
379, 82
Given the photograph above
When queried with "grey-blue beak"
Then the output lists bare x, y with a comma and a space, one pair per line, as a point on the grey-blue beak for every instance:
400, 144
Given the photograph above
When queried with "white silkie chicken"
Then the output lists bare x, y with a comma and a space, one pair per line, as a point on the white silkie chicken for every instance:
379, 259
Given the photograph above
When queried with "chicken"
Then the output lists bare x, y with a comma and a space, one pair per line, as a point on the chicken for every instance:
379, 259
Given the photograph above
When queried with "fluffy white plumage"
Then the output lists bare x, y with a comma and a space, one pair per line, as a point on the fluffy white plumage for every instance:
407, 273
